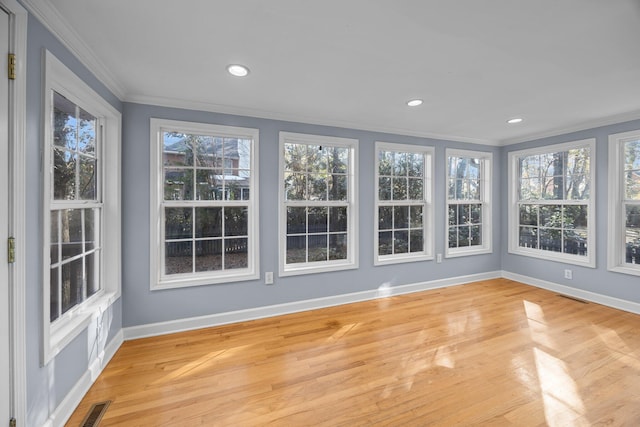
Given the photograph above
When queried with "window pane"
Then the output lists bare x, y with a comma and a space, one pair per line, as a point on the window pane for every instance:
88, 188
400, 167
400, 217
54, 237
178, 184
71, 229
208, 222
399, 188
295, 157
318, 187
528, 215
475, 235
415, 189
453, 214
86, 133
550, 239
209, 186
578, 161
316, 159
553, 187
385, 162
318, 250
178, 257
385, 217
64, 175
464, 214
416, 241
296, 249
530, 189
208, 255
463, 236
338, 187
90, 264
453, 237
384, 188
338, 246
416, 164
295, 185
575, 216
632, 234
401, 242
207, 153
528, 237
338, 219
551, 216
238, 189
176, 150
64, 122
385, 243
530, 167
54, 298
452, 189
474, 189
91, 228
296, 220
577, 187
235, 221
317, 220
178, 223
415, 219
476, 214
236, 253
632, 185
575, 242
72, 294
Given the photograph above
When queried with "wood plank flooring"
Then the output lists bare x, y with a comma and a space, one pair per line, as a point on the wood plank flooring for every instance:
494, 352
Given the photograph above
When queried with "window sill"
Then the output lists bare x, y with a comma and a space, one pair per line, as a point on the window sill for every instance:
396, 259
455, 253
555, 257
624, 269
74, 322
312, 269
190, 280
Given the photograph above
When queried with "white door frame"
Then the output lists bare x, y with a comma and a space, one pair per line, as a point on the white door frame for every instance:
17, 167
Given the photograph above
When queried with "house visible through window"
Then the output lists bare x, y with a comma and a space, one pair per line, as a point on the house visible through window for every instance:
318, 203
207, 212
552, 210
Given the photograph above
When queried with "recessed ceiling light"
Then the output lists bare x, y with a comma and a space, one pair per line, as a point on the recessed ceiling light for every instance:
237, 70
414, 102
515, 120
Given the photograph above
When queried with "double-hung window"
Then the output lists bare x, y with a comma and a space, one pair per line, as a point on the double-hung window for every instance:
624, 203
318, 204
403, 215
204, 209
468, 203
551, 202
81, 205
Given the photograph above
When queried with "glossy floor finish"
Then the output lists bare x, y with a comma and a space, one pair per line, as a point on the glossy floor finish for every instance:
494, 352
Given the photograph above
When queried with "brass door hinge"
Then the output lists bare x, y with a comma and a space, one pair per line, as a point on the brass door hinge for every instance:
12, 250
11, 71
12, 422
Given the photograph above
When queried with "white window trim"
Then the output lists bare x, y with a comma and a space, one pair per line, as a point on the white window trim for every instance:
485, 200
158, 280
352, 200
616, 257
64, 329
427, 215
514, 214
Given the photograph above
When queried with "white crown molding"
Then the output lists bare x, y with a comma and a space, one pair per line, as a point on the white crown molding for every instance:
591, 124
262, 114
180, 325
48, 15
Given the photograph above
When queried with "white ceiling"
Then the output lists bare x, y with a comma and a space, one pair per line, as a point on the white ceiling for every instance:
561, 65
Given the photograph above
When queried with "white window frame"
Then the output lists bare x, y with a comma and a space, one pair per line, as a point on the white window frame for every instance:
62, 80
161, 281
616, 243
486, 163
427, 205
351, 262
514, 214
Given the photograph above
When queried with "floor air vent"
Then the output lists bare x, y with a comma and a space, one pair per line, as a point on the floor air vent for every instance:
95, 414
574, 299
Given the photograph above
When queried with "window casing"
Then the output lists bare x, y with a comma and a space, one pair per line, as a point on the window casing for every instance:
81, 184
404, 213
624, 203
468, 203
552, 202
204, 208
318, 203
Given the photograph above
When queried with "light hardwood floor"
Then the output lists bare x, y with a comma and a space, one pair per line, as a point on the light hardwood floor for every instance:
494, 352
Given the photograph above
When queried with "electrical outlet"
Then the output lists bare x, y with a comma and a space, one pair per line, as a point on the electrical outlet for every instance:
568, 274
268, 278
438, 258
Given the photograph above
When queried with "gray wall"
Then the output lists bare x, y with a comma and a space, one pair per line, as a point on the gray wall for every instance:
48, 385
597, 280
142, 306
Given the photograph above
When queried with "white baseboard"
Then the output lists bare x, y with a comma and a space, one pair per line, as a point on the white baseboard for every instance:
65, 409
180, 325
620, 304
